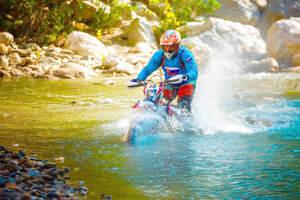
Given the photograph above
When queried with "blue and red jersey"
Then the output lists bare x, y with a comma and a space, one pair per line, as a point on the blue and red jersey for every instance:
172, 67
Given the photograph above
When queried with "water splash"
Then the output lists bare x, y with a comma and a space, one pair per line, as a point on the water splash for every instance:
213, 95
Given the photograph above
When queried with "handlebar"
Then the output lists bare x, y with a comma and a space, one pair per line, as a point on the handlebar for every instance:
143, 83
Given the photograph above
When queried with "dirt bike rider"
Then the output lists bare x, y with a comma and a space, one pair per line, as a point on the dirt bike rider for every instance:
177, 62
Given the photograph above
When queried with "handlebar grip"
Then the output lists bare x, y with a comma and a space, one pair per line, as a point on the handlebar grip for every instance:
170, 81
134, 84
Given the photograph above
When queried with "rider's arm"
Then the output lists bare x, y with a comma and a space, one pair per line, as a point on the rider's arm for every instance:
190, 64
151, 66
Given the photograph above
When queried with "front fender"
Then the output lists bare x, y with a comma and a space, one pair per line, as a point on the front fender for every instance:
145, 104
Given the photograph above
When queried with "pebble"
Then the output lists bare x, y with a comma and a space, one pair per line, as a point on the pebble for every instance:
61, 159
23, 177
106, 196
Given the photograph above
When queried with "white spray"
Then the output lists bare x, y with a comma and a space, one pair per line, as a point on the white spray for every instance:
213, 96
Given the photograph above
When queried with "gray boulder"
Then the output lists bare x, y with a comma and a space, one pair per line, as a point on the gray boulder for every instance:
84, 44
140, 30
284, 40
6, 38
230, 45
277, 10
243, 11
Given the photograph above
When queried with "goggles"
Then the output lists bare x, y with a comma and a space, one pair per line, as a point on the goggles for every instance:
170, 48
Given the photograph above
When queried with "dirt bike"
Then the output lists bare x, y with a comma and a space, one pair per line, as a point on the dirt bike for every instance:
151, 111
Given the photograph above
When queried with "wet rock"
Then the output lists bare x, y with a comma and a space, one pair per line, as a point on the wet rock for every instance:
23, 179
109, 82
108, 101
11, 168
103, 196
61, 159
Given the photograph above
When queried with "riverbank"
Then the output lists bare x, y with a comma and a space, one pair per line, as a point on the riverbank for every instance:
27, 177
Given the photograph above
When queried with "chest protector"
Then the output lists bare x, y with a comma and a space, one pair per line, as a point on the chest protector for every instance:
163, 58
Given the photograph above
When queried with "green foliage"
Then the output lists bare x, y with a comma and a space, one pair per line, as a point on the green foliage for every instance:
175, 13
43, 21
105, 19
39, 21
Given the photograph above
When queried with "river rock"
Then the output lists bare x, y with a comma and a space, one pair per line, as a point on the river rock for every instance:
141, 47
3, 62
67, 52
21, 52
85, 11
243, 11
227, 41
296, 60
284, 40
192, 28
261, 4
110, 62
277, 10
44, 60
265, 65
4, 74
125, 68
26, 61
294, 69
111, 51
6, 38
140, 30
132, 59
33, 47
73, 70
85, 44
202, 54
3, 49
14, 59
143, 11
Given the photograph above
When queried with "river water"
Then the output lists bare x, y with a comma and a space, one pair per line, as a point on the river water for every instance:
246, 146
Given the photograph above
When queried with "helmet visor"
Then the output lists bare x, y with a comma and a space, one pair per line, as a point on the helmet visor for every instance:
170, 48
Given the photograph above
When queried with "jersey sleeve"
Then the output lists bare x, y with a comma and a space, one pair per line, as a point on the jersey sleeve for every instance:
190, 64
151, 66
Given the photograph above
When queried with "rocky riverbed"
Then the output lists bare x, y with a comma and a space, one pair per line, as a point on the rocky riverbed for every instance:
25, 177
235, 47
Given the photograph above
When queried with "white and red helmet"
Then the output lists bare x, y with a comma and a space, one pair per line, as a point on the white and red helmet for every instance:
170, 42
